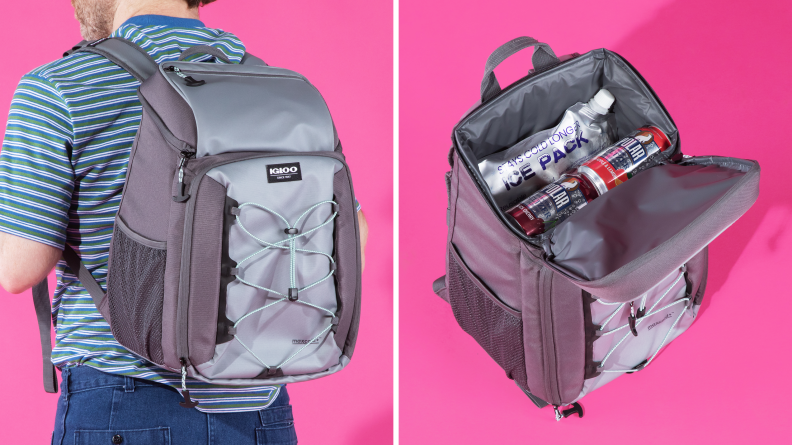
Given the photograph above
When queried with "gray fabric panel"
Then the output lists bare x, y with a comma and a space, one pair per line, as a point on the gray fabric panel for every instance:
570, 339
282, 380
632, 219
542, 59
204, 49
532, 324
125, 54
271, 333
644, 272
171, 108
43, 306
249, 107
205, 269
347, 257
539, 102
146, 199
484, 244
172, 273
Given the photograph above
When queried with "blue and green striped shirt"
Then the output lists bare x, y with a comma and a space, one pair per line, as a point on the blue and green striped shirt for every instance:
62, 169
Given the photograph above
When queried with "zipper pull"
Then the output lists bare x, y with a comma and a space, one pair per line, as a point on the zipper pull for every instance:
576, 409
184, 157
631, 320
188, 402
189, 80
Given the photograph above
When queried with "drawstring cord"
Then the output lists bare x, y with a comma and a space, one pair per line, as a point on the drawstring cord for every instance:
294, 291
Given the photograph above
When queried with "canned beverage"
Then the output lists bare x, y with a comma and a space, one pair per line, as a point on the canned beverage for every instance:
623, 160
559, 200
552, 204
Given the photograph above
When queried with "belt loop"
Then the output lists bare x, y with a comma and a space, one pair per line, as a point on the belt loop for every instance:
129, 384
65, 376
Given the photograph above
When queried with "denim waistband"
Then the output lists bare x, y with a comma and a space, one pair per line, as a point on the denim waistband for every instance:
82, 378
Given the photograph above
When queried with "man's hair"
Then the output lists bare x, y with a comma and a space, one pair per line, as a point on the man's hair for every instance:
197, 3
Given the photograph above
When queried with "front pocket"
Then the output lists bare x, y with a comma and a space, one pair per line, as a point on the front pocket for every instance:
135, 291
495, 326
151, 436
662, 314
281, 309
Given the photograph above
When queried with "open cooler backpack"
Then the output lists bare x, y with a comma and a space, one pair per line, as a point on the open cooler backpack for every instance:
597, 297
235, 257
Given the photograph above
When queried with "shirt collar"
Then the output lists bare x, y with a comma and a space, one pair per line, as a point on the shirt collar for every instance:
163, 20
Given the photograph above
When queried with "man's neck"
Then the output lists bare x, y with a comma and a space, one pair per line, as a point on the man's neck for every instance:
171, 8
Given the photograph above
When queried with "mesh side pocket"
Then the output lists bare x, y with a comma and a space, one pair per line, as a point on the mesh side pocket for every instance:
135, 292
496, 330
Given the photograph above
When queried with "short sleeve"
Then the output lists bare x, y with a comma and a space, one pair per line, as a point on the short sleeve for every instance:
36, 174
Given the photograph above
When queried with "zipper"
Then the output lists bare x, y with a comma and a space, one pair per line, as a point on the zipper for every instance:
182, 299
187, 79
184, 156
548, 337
181, 73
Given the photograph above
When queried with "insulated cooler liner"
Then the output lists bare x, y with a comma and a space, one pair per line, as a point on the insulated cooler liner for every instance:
639, 215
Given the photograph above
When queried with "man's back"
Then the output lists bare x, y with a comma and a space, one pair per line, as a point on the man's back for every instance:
62, 170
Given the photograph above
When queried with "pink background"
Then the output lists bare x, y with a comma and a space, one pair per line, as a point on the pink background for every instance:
722, 70
345, 49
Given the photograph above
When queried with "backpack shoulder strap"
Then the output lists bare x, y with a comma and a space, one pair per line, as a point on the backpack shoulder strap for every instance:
123, 53
41, 301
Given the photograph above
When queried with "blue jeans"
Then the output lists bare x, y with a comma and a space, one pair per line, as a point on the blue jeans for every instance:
99, 408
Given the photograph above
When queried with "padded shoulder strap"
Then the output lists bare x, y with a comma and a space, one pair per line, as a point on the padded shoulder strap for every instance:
41, 301
123, 53
250, 59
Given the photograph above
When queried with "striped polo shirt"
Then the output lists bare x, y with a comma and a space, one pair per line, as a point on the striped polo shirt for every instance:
62, 169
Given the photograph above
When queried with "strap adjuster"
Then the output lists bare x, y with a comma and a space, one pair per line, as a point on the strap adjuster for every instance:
291, 231
294, 294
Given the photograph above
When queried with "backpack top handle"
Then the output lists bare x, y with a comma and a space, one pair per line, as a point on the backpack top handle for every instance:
543, 59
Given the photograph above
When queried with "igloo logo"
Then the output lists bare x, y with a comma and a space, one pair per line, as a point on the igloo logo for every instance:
284, 172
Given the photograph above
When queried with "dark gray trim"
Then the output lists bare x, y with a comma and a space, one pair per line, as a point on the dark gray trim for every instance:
536, 400
439, 288
84, 275
122, 226
178, 144
41, 301
228, 271
543, 59
129, 56
76, 48
204, 49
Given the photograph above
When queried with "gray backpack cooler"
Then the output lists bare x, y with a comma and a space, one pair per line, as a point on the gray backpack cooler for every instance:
235, 257
597, 297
